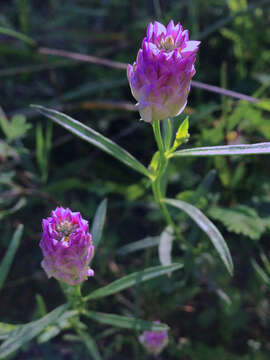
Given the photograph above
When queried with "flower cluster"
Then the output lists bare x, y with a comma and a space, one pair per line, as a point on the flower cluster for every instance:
160, 78
67, 246
154, 341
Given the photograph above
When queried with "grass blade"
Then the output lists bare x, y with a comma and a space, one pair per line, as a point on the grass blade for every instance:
8, 258
98, 223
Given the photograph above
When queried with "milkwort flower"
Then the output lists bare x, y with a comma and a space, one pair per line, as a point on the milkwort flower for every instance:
160, 77
66, 246
154, 341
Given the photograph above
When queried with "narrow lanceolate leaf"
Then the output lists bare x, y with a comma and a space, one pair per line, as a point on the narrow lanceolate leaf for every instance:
208, 227
165, 246
90, 344
8, 258
27, 332
138, 245
125, 321
5, 329
132, 279
263, 276
93, 137
244, 149
98, 223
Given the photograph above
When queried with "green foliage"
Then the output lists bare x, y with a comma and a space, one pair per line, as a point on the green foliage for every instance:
131, 280
209, 228
8, 258
210, 314
240, 220
124, 321
93, 137
14, 128
24, 333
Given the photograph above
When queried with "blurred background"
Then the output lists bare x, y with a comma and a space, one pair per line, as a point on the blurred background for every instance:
42, 48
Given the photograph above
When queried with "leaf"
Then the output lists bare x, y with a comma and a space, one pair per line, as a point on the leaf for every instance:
15, 128
27, 332
124, 321
261, 273
208, 227
131, 280
17, 35
98, 223
53, 330
5, 329
8, 258
240, 220
21, 203
138, 245
90, 344
165, 246
263, 104
94, 138
182, 134
244, 149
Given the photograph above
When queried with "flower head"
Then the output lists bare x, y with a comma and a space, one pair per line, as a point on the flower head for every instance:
66, 246
160, 77
154, 341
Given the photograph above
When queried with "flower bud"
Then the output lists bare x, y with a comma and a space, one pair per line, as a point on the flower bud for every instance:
160, 78
66, 246
154, 341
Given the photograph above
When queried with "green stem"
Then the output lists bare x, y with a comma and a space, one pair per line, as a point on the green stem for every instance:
158, 137
73, 294
162, 166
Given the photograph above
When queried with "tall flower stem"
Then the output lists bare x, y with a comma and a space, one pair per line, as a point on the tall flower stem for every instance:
162, 166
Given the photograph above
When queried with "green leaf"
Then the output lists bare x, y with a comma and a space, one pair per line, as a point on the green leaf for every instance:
27, 332
17, 35
240, 220
165, 246
244, 149
94, 138
21, 203
8, 258
90, 344
15, 128
132, 279
262, 275
208, 227
182, 134
53, 330
5, 329
124, 321
263, 104
138, 245
98, 223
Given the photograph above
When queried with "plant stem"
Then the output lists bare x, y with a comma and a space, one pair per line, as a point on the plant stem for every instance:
162, 166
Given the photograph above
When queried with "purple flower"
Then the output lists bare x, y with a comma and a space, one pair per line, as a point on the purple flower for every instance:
66, 246
154, 341
160, 77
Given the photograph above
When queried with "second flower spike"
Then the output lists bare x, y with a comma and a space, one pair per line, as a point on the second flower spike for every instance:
66, 246
160, 77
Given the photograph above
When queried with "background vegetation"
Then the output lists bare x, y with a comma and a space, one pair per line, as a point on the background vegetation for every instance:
211, 315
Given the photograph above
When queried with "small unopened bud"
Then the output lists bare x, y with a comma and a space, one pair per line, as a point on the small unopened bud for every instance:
154, 341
